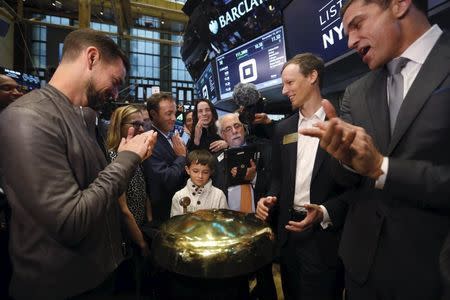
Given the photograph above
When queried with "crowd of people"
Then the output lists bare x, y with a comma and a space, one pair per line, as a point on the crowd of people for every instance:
358, 196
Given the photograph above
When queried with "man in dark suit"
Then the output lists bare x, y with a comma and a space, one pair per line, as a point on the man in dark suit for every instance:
300, 182
164, 172
397, 145
233, 131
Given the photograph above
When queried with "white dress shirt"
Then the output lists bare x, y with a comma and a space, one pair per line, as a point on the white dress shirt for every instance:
306, 156
417, 53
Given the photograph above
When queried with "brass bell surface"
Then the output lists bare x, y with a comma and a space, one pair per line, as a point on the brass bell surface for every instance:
215, 243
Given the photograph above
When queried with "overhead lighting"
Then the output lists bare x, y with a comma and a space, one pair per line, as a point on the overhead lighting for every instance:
57, 4
162, 22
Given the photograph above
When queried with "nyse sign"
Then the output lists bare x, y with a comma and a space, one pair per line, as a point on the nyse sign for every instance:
330, 22
315, 26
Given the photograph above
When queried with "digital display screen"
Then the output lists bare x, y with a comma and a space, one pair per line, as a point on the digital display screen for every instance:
26, 81
316, 27
258, 61
206, 86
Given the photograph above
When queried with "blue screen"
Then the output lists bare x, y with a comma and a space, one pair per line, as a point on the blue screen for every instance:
205, 85
258, 61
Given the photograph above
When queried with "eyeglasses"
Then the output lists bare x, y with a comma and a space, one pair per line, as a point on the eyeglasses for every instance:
229, 129
136, 124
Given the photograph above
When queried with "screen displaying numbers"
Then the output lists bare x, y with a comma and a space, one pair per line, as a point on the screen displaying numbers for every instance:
258, 61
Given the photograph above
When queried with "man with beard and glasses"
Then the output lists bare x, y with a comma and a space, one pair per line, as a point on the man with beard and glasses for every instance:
65, 232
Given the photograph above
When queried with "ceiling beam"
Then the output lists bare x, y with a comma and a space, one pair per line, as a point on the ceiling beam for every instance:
122, 15
84, 13
160, 9
126, 36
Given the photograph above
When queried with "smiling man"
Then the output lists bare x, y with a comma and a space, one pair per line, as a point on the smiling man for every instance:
164, 170
301, 183
394, 134
9, 91
65, 231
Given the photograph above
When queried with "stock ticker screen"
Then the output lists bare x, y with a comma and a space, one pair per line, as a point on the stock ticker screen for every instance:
26, 81
258, 61
206, 86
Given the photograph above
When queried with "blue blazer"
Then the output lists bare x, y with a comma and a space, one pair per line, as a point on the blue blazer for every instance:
164, 175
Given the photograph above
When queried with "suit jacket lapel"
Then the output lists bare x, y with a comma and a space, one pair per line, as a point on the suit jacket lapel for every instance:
432, 73
292, 149
164, 142
378, 109
320, 156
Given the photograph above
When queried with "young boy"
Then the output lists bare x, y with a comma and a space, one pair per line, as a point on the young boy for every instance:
199, 188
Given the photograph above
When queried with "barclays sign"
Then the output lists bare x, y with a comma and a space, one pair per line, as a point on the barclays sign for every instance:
231, 15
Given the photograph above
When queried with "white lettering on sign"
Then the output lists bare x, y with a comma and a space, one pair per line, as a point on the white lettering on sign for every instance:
236, 12
328, 38
330, 23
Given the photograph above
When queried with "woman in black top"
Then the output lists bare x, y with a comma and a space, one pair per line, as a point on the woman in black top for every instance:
204, 135
134, 204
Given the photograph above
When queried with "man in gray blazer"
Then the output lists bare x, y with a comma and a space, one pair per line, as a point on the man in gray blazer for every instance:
394, 134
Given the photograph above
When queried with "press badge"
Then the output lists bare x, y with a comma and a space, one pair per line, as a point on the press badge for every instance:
290, 138
220, 157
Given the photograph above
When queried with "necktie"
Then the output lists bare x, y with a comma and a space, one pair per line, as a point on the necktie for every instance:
246, 198
395, 88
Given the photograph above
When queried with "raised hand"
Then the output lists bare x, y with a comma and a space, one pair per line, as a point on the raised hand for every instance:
262, 118
141, 144
178, 146
198, 132
348, 143
218, 145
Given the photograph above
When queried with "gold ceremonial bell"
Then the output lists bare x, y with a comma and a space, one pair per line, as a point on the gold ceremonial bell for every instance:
215, 243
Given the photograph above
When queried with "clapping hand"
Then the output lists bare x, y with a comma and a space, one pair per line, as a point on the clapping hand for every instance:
141, 144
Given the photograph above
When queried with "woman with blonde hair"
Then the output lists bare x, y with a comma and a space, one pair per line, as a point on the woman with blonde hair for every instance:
134, 203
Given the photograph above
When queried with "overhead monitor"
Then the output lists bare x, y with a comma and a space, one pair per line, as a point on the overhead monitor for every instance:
258, 61
26, 81
206, 86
